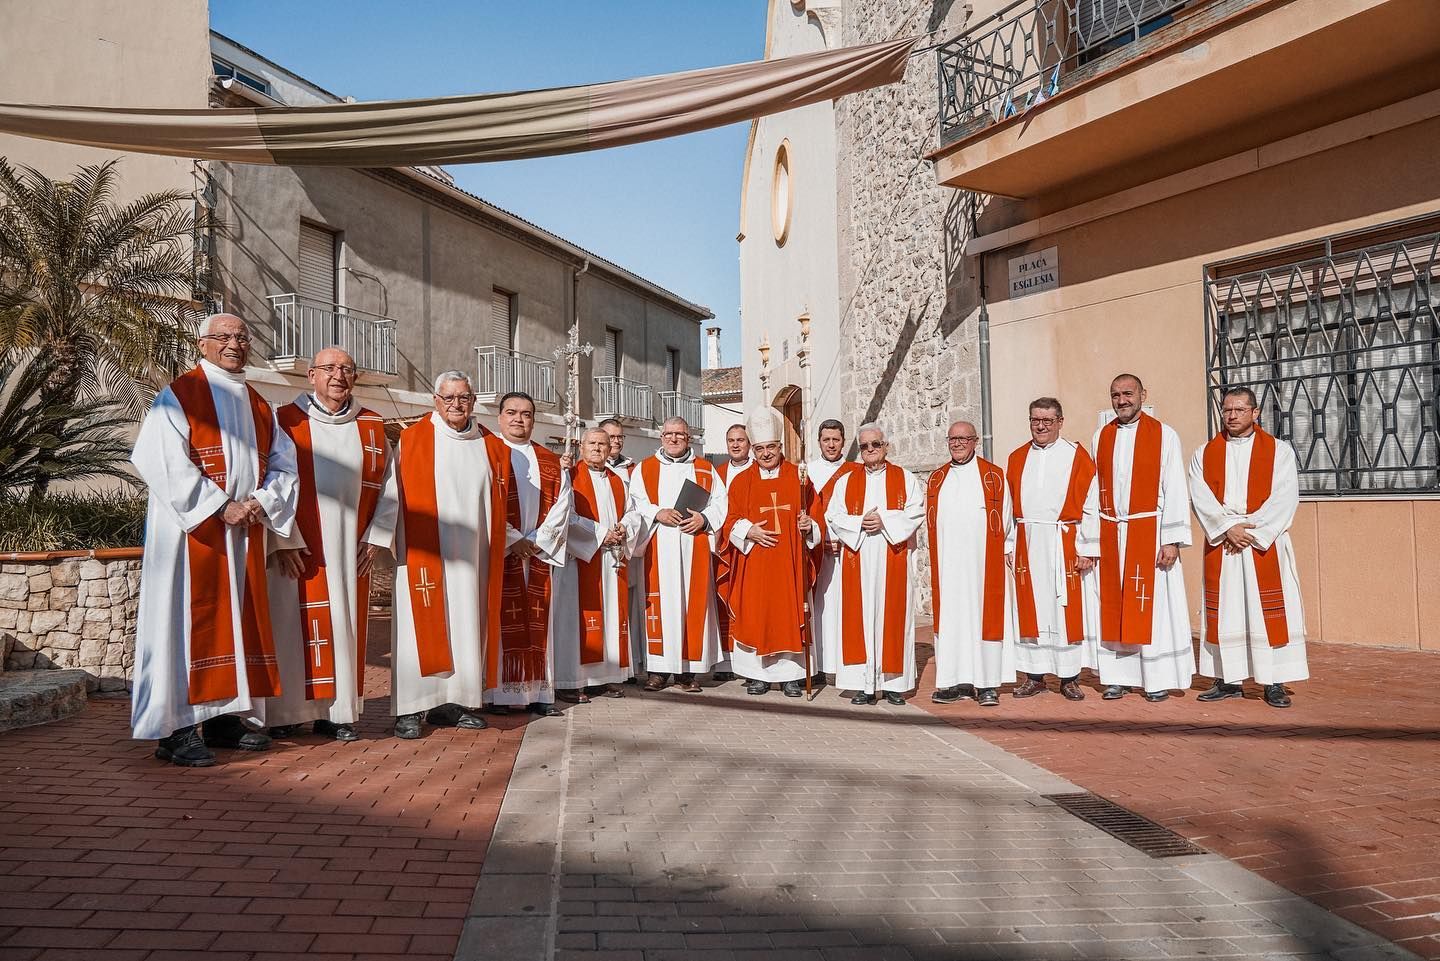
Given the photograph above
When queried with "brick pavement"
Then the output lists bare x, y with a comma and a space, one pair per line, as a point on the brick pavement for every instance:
1337, 798
341, 852
722, 827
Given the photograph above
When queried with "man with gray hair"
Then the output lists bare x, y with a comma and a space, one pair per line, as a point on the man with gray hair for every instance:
454, 478
874, 513
221, 473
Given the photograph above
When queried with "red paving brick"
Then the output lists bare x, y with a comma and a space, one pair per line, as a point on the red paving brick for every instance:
1336, 798
313, 849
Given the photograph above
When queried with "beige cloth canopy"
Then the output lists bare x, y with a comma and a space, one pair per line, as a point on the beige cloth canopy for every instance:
473, 129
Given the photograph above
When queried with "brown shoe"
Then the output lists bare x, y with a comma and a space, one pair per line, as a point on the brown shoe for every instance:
1072, 691
654, 682
1028, 688
689, 684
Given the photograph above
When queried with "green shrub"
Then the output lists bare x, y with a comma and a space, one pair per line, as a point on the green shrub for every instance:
71, 522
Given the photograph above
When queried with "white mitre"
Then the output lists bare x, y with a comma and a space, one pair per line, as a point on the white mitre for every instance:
764, 428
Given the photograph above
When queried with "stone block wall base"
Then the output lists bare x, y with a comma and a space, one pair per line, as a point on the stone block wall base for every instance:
28, 698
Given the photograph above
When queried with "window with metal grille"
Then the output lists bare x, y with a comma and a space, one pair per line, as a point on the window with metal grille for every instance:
1340, 342
502, 318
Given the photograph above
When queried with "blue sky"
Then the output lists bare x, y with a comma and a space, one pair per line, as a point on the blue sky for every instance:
667, 210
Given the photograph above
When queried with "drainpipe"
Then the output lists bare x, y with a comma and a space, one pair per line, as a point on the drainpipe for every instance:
986, 431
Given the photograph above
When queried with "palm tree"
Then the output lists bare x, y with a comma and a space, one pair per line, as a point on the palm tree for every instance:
101, 289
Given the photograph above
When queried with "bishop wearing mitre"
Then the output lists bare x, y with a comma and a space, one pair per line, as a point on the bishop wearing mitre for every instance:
772, 536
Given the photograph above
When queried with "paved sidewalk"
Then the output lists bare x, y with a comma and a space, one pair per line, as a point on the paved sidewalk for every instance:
720, 827
1336, 798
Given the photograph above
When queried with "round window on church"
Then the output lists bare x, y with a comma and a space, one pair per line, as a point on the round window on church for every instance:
781, 199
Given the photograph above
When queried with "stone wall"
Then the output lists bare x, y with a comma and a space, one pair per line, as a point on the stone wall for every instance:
71, 612
909, 304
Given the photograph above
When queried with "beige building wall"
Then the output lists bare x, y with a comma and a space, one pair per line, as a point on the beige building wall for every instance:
1132, 299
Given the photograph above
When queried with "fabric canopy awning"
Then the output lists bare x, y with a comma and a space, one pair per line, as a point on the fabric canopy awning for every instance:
472, 129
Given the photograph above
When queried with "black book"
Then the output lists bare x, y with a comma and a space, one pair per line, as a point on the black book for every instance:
692, 497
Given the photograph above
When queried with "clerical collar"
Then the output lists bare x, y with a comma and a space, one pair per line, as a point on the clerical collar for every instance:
315, 401
876, 470
515, 444
602, 469
962, 463
214, 370
684, 458
735, 465
620, 460
1039, 446
1241, 439
1128, 426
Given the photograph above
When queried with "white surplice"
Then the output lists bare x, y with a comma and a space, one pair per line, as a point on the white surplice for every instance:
1243, 649
462, 500
582, 543
1167, 663
898, 527
181, 498
548, 534
961, 523
673, 553
1043, 490
825, 596
773, 668
339, 455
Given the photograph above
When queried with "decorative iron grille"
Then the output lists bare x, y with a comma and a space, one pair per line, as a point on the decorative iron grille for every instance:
1020, 55
1343, 353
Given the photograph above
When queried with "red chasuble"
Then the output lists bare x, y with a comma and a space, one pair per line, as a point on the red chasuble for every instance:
591, 573
423, 559
768, 586
525, 605
1082, 471
213, 671
992, 483
314, 587
1267, 562
1127, 584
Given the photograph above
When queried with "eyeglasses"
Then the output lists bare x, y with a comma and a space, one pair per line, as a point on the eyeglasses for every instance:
962, 440
673, 435
1237, 410
1044, 421
331, 370
873, 445
456, 400
242, 339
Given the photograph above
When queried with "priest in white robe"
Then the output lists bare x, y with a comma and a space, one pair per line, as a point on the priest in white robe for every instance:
1137, 517
825, 596
220, 474
1057, 601
772, 537
319, 576
624, 466
521, 666
454, 476
592, 643
1245, 487
972, 537
874, 513
681, 624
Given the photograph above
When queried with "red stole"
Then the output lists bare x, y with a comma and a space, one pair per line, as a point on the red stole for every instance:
525, 602
724, 562
591, 573
774, 581
425, 567
992, 485
317, 632
701, 572
1127, 587
1082, 471
892, 634
213, 672
1267, 562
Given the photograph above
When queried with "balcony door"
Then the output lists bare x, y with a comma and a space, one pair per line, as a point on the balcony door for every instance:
317, 265
502, 319
610, 362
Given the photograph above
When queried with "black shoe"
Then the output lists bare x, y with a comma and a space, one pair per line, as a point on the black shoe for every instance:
863, 698
720, 676
446, 715
894, 697
988, 697
407, 726
946, 695
185, 747
541, 709
793, 689
339, 732
1220, 692
1275, 695
228, 731
1113, 692
1156, 696
757, 687
498, 709
283, 730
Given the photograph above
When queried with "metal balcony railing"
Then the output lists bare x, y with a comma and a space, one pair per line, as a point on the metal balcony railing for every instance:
618, 397
303, 327
1023, 53
675, 404
501, 371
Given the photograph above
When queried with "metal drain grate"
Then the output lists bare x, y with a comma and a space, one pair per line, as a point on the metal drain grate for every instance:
1140, 833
